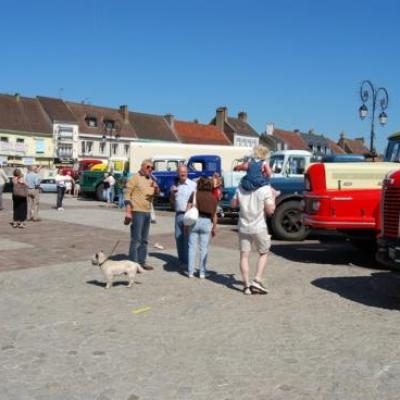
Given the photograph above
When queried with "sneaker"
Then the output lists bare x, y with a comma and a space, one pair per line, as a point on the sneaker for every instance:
202, 275
258, 286
22, 225
60, 209
190, 275
246, 290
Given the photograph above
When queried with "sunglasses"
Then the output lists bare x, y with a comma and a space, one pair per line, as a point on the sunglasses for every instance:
149, 167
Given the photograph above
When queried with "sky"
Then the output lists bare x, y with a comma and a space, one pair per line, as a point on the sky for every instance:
295, 63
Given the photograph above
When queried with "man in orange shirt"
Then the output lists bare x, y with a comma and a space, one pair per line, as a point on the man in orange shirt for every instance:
139, 195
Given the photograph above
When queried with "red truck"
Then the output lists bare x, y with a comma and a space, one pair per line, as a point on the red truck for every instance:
388, 252
347, 197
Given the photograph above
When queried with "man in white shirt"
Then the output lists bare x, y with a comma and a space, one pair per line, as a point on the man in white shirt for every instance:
179, 197
254, 206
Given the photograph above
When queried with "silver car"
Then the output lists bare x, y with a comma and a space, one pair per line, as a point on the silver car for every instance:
48, 185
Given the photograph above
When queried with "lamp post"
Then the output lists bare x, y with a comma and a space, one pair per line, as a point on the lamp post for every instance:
377, 95
108, 128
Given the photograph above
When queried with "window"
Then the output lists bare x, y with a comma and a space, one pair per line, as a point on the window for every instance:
126, 149
109, 124
296, 165
39, 144
4, 139
19, 140
91, 122
102, 147
83, 144
89, 147
114, 148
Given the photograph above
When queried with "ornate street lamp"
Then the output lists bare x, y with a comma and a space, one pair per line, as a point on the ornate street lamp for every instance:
377, 95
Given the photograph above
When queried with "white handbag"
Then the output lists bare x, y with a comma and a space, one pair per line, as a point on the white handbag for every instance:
192, 215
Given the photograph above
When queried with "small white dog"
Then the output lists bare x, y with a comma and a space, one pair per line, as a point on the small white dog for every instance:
111, 268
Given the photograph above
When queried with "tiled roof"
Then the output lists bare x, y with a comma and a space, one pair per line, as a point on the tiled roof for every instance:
151, 127
314, 139
335, 148
23, 114
293, 140
194, 133
57, 110
354, 146
81, 111
241, 127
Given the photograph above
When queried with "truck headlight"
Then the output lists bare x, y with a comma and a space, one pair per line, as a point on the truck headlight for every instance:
315, 205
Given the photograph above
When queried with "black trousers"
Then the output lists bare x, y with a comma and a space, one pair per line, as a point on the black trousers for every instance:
60, 196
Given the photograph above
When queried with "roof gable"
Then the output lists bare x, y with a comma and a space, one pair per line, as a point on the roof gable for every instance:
151, 127
241, 128
293, 140
195, 133
57, 110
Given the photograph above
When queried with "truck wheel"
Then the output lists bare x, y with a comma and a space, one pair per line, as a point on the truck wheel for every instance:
99, 192
366, 245
287, 221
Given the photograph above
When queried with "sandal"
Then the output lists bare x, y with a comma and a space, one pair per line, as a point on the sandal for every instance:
246, 290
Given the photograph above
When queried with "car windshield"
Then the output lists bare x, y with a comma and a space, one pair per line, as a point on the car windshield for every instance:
393, 152
276, 163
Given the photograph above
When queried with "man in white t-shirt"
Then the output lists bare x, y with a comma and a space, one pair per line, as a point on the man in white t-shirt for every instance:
254, 207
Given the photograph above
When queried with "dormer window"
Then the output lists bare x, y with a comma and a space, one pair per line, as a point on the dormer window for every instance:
109, 124
91, 122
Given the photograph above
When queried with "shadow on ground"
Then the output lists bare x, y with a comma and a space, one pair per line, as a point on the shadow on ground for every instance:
172, 265
333, 252
380, 289
95, 282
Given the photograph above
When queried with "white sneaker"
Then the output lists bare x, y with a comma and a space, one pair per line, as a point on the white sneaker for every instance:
202, 275
190, 275
258, 286
60, 209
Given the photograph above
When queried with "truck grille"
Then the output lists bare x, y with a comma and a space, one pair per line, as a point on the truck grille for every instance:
391, 211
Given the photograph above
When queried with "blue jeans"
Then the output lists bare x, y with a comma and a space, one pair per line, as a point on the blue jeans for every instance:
121, 203
107, 195
199, 233
182, 245
140, 228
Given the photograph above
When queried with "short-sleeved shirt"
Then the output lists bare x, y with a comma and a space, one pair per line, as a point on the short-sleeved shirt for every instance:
140, 192
252, 205
183, 194
32, 180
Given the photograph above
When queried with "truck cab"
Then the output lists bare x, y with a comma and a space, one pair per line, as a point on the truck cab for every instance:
346, 197
288, 167
199, 165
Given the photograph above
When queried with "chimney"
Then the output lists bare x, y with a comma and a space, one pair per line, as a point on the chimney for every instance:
221, 117
242, 116
196, 121
269, 130
170, 119
360, 139
296, 130
124, 112
17, 96
311, 131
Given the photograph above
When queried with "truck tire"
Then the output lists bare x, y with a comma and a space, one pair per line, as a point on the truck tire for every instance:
99, 192
287, 221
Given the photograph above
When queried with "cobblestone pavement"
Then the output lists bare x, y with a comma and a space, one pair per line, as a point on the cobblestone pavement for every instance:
329, 329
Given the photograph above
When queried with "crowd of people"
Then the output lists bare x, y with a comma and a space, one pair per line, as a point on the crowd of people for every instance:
255, 197
194, 203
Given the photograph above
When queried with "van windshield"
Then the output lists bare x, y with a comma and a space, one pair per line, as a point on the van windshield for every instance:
276, 163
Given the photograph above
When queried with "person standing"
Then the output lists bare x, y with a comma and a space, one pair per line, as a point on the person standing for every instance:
179, 197
20, 193
60, 184
32, 182
199, 233
3, 182
139, 195
108, 185
254, 206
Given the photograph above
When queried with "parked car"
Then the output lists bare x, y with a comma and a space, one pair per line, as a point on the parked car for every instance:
48, 185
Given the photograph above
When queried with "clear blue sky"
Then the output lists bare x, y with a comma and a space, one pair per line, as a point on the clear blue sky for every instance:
297, 63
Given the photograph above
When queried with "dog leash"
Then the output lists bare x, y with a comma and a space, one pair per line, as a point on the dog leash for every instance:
112, 252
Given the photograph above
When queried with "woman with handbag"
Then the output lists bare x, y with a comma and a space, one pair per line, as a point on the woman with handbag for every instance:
19, 197
201, 227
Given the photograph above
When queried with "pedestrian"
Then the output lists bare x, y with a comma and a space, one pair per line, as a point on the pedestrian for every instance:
108, 191
179, 197
60, 184
199, 233
19, 197
3, 182
139, 195
77, 189
32, 182
217, 186
254, 206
